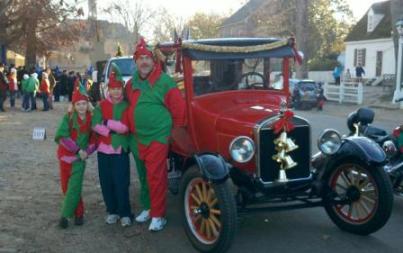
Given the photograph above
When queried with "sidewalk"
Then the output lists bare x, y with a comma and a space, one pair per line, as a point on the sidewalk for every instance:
379, 97
382, 113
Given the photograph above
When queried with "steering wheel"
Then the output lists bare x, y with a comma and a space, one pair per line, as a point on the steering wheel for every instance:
251, 79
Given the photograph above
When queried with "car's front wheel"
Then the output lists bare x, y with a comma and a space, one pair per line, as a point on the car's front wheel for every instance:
209, 212
359, 198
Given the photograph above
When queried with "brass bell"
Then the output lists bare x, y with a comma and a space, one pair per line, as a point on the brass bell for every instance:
291, 145
282, 176
281, 139
288, 162
280, 156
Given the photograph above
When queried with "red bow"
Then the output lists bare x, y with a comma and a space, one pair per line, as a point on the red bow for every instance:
284, 123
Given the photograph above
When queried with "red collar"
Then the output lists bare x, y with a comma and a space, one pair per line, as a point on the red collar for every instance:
155, 74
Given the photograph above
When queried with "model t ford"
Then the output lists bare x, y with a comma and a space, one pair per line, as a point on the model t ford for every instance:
244, 150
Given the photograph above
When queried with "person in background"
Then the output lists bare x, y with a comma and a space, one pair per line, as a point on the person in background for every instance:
12, 86
3, 87
52, 84
63, 85
359, 72
30, 92
70, 84
36, 89
337, 73
25, 94
78, 80
347, 75
321, 99
44, 90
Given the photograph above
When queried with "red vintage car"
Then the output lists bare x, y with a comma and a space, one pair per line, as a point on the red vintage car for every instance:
243, 150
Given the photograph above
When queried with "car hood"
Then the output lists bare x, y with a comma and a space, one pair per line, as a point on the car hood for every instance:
242, 118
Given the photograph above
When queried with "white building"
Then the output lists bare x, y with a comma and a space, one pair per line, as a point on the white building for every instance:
370, 43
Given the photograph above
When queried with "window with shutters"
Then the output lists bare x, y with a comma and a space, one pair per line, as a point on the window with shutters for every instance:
359, 57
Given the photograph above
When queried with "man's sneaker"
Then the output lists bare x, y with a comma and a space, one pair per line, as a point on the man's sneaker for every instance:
78, 221
63, 222
111, 219
143, 216
157, 224
125, 221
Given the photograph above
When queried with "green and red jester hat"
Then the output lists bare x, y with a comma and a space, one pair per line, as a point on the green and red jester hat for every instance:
142, 49
115, 77
79, 94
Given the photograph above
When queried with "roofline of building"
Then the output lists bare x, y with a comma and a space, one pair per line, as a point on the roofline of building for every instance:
369, 41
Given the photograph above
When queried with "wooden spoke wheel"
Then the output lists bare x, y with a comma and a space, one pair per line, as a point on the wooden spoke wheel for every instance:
361, 199
209, 212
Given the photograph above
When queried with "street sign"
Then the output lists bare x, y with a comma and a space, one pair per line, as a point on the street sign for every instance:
39, 134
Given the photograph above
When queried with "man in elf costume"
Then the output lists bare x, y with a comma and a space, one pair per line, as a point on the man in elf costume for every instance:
75, 144
156, 105
110, 122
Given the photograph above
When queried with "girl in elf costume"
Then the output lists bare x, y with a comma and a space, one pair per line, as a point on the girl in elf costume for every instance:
110, 122
76, 143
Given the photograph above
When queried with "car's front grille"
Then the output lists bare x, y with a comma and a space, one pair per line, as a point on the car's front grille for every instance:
269, 168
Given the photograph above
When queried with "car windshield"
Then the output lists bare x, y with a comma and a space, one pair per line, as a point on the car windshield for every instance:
240, 74
125, 65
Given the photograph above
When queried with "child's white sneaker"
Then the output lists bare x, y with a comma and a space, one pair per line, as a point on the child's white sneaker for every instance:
111, 219
125, 221
157, 224
143, 216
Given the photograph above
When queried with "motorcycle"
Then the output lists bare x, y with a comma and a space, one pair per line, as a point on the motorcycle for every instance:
359, 123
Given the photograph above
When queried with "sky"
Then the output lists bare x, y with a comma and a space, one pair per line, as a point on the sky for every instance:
360, 7
186, 8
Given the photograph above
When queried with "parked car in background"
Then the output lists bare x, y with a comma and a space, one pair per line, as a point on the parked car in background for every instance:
304, 93
126, 66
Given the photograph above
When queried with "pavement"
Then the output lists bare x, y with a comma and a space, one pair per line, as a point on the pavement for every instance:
30, 197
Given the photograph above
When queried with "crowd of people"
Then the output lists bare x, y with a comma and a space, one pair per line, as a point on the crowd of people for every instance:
49, 85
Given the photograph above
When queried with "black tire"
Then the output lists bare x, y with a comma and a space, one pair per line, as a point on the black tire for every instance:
381, 196
225, 204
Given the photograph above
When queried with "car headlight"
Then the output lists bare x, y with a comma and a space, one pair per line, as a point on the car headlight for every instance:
329, 142
242, 149
390, 148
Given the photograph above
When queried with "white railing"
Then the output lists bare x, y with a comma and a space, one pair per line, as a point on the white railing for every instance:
351, 92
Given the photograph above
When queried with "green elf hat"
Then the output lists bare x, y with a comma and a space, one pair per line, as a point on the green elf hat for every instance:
115, 77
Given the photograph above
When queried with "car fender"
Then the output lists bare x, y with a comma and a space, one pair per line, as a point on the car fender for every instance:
362, 148
353, 148
212, 166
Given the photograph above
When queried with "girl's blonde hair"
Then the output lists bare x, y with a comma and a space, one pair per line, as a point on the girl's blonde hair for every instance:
70, 108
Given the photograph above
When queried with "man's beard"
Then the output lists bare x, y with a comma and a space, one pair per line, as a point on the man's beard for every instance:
145, 69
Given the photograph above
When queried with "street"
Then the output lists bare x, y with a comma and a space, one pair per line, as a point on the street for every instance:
30, 201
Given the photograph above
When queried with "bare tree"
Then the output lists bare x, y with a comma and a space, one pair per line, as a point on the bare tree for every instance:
38, 26
204, 25
166, 25
135, 16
